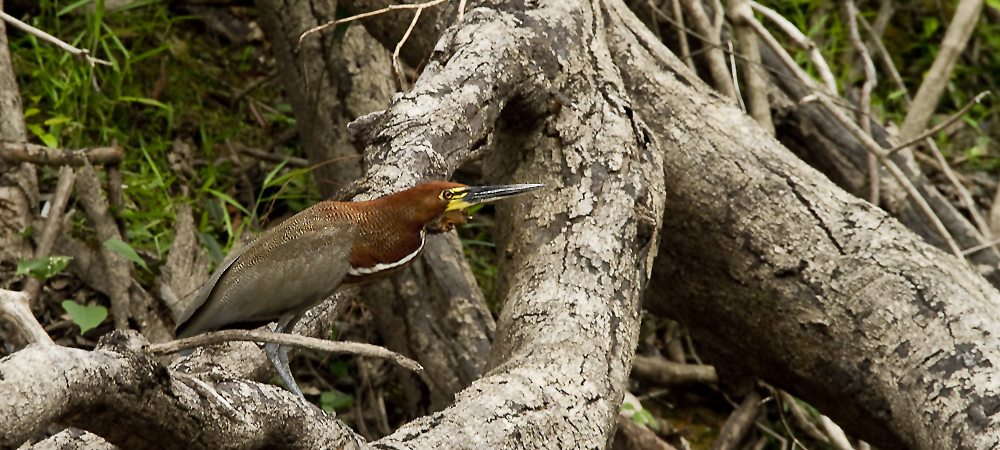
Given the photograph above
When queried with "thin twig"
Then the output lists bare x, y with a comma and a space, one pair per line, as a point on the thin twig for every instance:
802, 41
979, 247
864, 102
864, 139
396, 65
801, 417
682, 31
887, 60
963, 194
294, 340
756, 87
461, 10
53, 223
52, 39
367, 14
252, 85
721, 80
938, 160
951, 119
274, 157
784, 423
736, 80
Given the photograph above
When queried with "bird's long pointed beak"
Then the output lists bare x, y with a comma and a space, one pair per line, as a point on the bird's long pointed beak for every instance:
475, 195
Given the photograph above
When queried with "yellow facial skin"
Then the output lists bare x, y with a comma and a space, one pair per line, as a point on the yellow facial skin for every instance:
455, 198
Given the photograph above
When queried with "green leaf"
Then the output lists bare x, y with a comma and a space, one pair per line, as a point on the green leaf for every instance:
47, 139
72, 6
334, 400
214, 250
896, 94
644, 417
339, 369
930, 25
43, 269
57, 120
228, 199
87, 317
146, 101
126, 250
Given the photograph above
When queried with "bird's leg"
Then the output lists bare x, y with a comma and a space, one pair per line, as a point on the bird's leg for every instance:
278, 355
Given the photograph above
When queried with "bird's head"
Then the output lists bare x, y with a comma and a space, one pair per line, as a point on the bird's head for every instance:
442, 205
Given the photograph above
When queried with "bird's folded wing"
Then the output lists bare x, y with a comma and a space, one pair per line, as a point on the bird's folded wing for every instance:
288, 269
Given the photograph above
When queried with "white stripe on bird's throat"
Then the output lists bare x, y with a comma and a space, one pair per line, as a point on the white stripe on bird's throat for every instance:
360, 271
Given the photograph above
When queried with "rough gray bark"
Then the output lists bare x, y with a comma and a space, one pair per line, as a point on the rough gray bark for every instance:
819, 139
149, 408
796, 281
18, 188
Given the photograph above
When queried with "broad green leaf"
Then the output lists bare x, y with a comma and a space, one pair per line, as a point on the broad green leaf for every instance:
126, 250
87, 317
333, 400
47, 139
43, 269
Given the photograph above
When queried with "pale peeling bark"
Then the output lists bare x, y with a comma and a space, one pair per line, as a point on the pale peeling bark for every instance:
120, 393
798, 282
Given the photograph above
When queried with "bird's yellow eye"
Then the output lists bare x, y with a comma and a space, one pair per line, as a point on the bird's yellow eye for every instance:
447, 195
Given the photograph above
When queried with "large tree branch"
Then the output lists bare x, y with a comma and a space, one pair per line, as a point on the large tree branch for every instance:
795, 281
121, 393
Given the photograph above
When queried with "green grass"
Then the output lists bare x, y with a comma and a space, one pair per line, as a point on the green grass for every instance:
169, 82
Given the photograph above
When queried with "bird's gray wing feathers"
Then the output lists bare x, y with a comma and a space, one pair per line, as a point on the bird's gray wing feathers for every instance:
288, 269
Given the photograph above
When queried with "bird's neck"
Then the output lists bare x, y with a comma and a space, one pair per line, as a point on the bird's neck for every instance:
388, 240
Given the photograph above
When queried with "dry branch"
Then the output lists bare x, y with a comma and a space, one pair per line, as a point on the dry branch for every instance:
292, 340
121, 393
759, 108
669, 373
52, 39
53, 225
17, 152
14, 307
955, 40
798, 282
89, 194
714, 57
